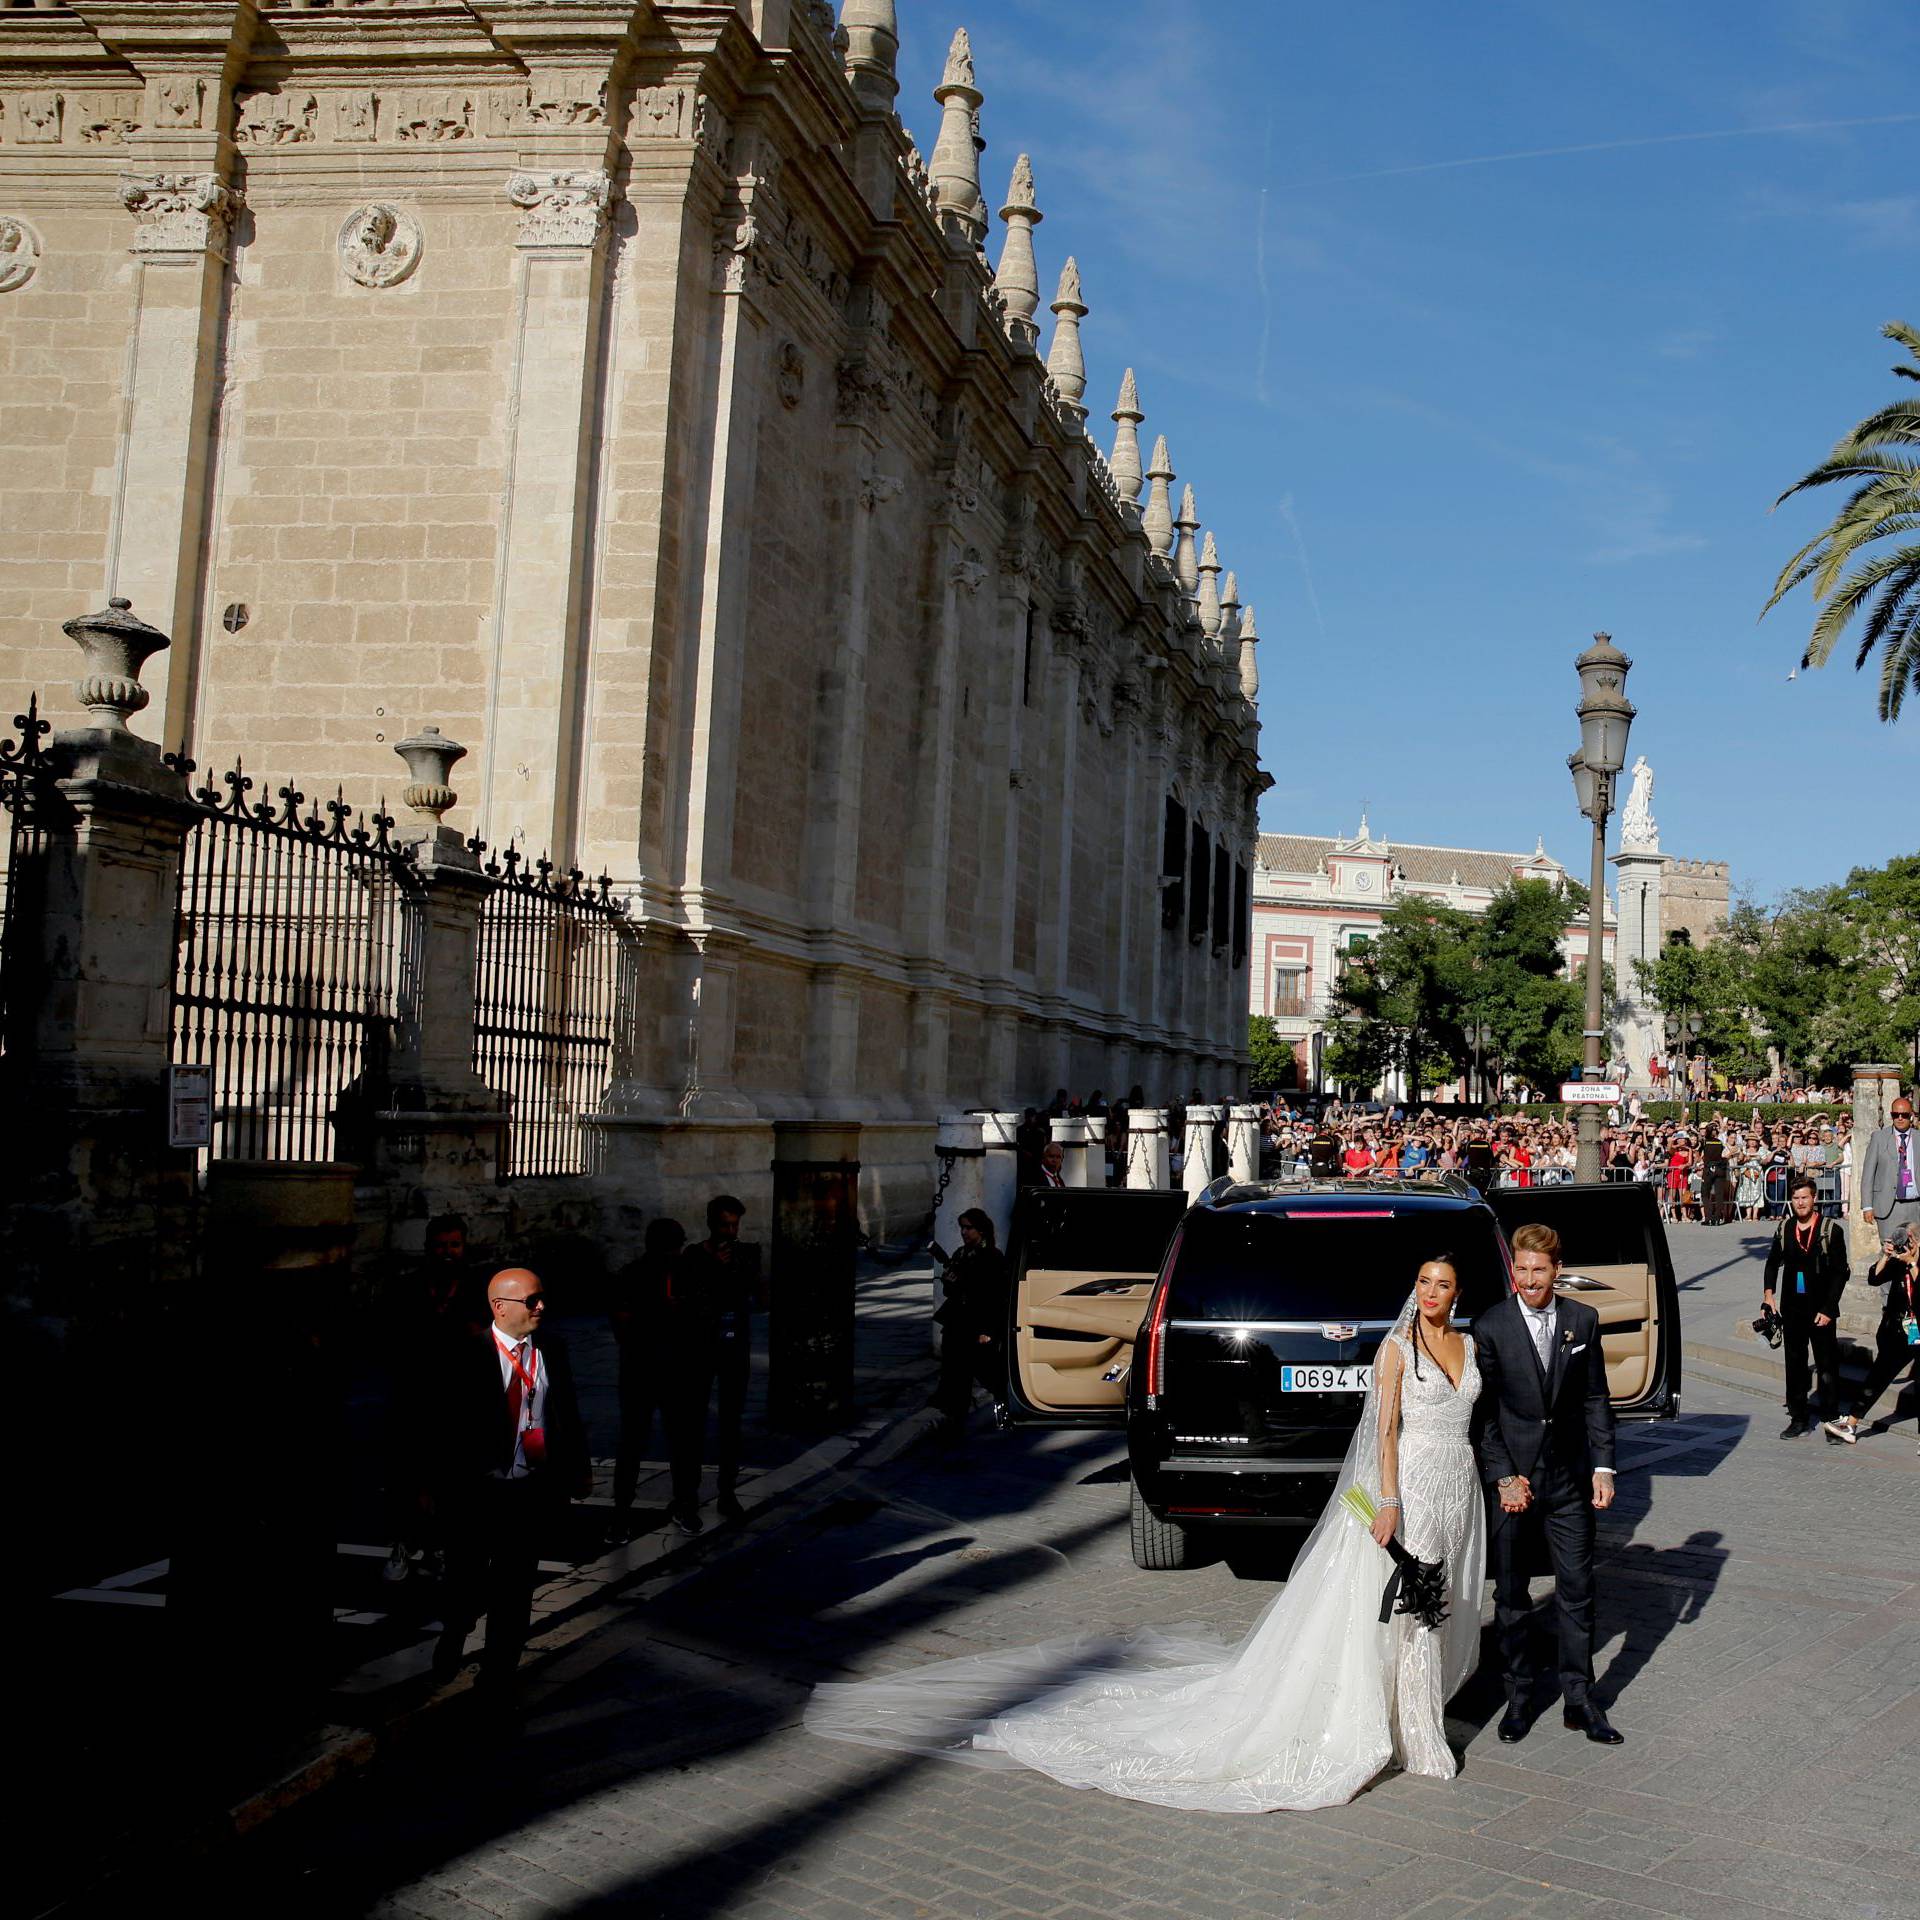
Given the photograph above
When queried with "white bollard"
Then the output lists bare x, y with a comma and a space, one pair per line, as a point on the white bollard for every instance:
1071, 1132
1147, 1148
959, 1158
1243, 1144
1000, 1170
1197, 1173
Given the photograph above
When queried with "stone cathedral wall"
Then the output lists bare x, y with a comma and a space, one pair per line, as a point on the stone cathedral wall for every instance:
615, 387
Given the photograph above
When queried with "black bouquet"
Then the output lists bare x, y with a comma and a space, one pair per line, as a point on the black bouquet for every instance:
1416, 1587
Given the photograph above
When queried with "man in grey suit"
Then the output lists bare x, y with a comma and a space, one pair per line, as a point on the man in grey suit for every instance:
1890, 1174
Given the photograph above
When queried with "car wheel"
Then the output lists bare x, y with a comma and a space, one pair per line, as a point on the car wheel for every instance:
1159, 1546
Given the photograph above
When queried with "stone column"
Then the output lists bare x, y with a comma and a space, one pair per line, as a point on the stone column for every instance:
93, 924
538, 638
438, 1125
1000, 1170
1054, 933
1147, 1148
1196, 1168
959, 1148
1243, 1144
816, 1225
1004, 750
1072, 1135
183, 224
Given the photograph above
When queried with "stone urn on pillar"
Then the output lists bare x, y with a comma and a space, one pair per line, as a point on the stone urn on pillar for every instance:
430, 756
117, 644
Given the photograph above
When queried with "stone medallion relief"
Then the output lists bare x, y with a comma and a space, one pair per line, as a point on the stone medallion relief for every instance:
379, 245
19, 253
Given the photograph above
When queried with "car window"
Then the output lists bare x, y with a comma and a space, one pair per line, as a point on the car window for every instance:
1598, 1227
1304, 1265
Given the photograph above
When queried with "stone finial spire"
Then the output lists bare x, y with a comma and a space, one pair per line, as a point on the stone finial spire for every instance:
1229, 612
1209, 572
872, 28
1185, 566
1125, 462
1017, 277
1066, 365
956, 160
1157, 521
1249, 666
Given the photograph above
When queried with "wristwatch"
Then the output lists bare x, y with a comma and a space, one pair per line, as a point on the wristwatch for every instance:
1508, 1480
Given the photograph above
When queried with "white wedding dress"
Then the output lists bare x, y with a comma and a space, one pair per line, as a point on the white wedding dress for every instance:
1313, 1703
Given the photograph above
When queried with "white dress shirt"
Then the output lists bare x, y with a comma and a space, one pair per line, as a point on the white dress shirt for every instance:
533, 1406
1540, 1328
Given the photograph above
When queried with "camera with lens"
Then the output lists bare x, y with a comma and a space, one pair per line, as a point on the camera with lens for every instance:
1768, 1326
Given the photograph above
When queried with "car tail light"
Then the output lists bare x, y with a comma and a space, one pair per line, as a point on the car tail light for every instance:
1157, 1325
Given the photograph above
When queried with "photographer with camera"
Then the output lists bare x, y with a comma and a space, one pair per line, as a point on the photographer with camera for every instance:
1899, 1340
1805, 1276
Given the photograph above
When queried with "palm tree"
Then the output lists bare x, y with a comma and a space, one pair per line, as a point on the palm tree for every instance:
1882, 455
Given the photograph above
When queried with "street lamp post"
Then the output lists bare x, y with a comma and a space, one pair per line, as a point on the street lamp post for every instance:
1605, 715
1482, 1036
1683, 1030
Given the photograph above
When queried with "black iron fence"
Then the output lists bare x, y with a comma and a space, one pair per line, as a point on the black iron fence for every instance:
28, 793
289, 936
549, 989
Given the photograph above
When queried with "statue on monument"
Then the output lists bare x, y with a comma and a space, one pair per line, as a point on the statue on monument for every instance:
1638, 828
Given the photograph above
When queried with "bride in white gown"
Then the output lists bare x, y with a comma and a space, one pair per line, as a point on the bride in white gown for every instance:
1317, 1699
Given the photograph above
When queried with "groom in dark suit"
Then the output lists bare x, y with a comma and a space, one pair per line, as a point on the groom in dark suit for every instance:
1543, 1435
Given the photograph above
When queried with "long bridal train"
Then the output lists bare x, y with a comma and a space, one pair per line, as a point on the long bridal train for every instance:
1315, 1701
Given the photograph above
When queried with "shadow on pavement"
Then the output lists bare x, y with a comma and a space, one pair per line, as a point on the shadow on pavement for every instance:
1643, 1593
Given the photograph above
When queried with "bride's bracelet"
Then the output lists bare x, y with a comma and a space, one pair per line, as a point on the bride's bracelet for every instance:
1388, 1500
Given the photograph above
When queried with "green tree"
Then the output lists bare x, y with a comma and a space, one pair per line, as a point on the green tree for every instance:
1874, 1013
1521, 989
1712, 982
1272, 1057
1401, 1002
1880, 458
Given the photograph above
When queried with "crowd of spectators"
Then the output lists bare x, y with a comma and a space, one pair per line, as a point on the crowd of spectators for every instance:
1716, 1171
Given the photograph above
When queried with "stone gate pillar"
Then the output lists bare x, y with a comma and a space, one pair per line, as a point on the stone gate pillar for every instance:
1147, 1148
1243, 1144
1000, 1170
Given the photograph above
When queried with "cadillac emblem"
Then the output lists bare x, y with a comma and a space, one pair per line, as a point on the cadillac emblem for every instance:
1334, 1332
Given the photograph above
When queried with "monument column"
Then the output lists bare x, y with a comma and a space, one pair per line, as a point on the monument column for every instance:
1640, 864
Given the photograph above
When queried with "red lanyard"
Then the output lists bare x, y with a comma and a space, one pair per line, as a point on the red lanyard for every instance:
1805, 1245
527, 1380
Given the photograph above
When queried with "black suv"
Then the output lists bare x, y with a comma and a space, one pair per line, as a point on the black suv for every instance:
1236, 1339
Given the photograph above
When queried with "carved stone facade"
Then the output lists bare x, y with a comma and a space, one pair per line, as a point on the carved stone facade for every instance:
626, 396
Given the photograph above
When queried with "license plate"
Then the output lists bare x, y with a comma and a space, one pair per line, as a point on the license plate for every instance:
1325, 1379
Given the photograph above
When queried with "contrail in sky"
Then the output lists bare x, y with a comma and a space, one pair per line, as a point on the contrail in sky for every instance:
1600, 146
1306, 565
1260, 267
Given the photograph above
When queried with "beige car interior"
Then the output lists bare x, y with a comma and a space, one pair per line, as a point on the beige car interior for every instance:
1104, 1310
1629, 1308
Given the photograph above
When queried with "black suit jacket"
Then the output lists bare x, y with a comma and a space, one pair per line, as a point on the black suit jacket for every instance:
471, 1424
1522, 1417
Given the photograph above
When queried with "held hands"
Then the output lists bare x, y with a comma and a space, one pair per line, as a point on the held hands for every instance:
1603, 1491
1823, 1319
1516, 1495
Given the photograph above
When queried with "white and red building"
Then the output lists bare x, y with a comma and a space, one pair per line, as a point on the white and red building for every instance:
1316, 900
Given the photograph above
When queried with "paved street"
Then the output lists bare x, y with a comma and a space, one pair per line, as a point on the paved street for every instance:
1757, 1606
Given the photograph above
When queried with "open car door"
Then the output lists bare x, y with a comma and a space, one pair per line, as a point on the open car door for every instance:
1614, 1257
1083, 1261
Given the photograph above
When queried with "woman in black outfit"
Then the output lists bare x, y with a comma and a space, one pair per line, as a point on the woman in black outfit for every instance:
972, 1317
1899, 1321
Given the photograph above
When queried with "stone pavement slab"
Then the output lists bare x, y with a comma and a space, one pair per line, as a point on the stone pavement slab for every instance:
1756, 1610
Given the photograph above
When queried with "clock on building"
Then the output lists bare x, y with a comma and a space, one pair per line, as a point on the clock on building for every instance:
1364, 882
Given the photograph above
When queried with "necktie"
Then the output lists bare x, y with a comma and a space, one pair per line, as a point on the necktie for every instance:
1540, 1324
1905, 1186
515, 1355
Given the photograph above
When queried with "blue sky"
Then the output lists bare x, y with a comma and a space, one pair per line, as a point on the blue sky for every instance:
1448, 420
